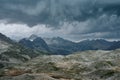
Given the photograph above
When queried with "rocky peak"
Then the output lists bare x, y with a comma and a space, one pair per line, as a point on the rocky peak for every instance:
33, 37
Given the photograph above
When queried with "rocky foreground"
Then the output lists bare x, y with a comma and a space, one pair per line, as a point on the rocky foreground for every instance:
88, 65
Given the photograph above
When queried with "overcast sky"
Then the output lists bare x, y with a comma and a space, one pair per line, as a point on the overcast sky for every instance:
71, 19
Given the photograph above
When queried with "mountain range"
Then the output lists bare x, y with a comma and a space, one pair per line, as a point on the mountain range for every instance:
58, 45
35, 45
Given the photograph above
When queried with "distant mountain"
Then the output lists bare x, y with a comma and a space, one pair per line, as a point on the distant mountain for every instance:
98, 44
35, 43
115, 45
58, 45
61, 46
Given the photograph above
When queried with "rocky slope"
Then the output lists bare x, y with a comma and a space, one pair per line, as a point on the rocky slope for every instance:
13, 53
87, 65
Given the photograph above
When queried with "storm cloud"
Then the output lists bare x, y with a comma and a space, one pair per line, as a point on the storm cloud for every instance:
72, 19
55, 11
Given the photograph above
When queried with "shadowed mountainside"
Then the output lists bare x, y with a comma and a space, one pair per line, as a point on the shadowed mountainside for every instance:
62, 46
35, 43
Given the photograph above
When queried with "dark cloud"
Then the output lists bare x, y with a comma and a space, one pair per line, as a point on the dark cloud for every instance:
84, 18
54, 11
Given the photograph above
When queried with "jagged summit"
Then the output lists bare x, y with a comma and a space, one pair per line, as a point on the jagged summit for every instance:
32, 37
35, 43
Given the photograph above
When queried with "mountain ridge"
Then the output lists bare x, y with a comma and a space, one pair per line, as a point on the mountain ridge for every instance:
35, 43
97, 44
58, 45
